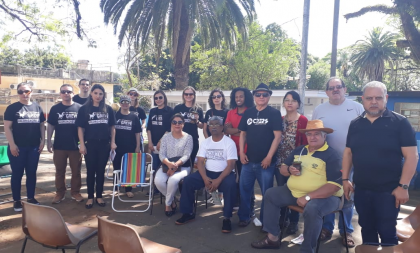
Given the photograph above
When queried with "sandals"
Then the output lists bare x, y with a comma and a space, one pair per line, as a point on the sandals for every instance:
266, 243
325, 235
130, 194
350, 240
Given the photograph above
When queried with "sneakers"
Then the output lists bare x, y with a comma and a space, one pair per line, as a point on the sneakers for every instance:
58, 198
227, 226
17, 206
185, 219
33, 201
77, 197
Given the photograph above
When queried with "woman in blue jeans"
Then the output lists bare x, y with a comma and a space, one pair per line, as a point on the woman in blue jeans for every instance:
25, 131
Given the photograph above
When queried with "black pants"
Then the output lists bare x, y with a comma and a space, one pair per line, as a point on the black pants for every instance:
194, 151
117, 164
96, 160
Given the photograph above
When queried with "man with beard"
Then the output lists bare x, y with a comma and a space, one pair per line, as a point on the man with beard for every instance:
84, 87
377, 142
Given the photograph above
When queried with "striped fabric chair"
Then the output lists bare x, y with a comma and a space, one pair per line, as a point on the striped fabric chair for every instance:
133, 173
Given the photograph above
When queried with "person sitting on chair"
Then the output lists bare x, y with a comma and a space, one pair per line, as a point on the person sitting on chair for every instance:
314, 184
175, 151
215, 161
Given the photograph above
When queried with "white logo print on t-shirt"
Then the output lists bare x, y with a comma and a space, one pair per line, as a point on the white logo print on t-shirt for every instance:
67, 117
124, 124
101, 118
257, 121
28, 117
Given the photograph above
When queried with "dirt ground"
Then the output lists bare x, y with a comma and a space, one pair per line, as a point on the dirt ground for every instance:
202, 235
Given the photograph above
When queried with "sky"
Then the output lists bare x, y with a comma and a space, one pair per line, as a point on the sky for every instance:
287, 13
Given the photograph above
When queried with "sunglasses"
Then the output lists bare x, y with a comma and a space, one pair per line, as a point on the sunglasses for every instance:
179, 122
158, 98
188, 94
217, 96
124, 102
66, 92
20, 92
133, 94
265, 94
338, 87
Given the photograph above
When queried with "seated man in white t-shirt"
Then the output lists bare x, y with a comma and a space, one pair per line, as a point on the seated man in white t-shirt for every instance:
216, 162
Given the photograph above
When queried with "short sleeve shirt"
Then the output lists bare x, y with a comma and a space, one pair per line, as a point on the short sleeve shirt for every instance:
63, 118
320, 167
376, 150
259, 127
140, 113
97, 124
79, 99
217, 153
158, 123
234, 118
213, 112
189, 127
126, 127
26, 120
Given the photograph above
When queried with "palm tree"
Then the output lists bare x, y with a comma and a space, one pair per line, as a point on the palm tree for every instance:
176, 21
369, 56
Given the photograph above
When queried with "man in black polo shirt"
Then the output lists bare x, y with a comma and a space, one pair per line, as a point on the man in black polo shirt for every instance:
377, 142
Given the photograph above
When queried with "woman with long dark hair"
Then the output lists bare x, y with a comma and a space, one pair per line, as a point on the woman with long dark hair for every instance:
25, 131
96, 130
217, 108
135, 106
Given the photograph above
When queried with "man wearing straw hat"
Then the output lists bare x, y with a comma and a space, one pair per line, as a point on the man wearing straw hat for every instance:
314, 184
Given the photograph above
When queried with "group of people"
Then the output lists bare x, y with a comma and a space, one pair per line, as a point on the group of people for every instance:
313, 161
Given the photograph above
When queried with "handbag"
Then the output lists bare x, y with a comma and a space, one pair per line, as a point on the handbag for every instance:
165, 167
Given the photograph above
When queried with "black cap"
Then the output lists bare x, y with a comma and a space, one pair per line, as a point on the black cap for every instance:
262, 87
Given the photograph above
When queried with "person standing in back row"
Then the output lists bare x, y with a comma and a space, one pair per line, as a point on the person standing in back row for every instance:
260, 128
25, 132
337, 114
62, 120
217, 108
135, 106
84, 87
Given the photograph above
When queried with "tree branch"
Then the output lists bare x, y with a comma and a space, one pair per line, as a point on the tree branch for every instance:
376, 8
76, 4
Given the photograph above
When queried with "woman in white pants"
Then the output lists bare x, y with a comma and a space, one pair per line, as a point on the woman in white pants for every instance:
175, 151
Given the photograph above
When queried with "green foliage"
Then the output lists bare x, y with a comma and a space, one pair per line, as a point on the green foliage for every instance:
319, 72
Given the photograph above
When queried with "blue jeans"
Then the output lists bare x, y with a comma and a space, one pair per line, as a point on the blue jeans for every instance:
278, 197
249, 173
26, 161
293, 216
377, 215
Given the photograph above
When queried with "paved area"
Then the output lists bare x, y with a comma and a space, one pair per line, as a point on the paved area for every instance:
202, 235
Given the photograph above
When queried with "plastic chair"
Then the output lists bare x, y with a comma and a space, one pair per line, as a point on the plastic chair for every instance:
411, 245
116, 238
45, 225
300, 210
133, 173
407, 226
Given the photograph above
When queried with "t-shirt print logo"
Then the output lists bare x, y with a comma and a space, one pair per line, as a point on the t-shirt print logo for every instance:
187, 116
124, 124
67, 117
215, 154
257, 121
101, 118
28, 117
157, 120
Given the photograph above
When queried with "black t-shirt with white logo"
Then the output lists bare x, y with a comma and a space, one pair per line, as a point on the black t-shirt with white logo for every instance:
140, 113
95, 122
79, 99
213, 112
63, 118
259, 127
26, 120
126, 127
158, 122
189, 128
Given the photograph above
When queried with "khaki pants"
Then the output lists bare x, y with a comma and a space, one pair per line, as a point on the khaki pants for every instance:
60, 162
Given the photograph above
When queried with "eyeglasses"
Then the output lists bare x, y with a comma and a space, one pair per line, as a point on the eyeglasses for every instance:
215, 125
84, 84
158, 98
179, 122
20, 92
124, 102
66, 92
188, 94
265, 94
338, 87
217, 96
133, 94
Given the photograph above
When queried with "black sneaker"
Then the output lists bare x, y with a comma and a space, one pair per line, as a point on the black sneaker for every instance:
33, 201
185, 219
227, 226
292, 228
17, 206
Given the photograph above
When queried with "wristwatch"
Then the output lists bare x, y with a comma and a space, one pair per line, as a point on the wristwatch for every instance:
307, 198
404, 186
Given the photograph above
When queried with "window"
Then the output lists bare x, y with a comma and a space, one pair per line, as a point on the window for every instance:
173, 104
411, 111
276, 106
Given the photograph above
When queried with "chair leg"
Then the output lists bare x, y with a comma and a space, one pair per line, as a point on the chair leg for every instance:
319, 237
284, 224
24, 244
205, 196
196, 201
64, 251
341, 214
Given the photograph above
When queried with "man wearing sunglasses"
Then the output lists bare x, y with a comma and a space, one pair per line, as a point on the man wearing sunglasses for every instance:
337, 114
84, 87
260, 128
61, 121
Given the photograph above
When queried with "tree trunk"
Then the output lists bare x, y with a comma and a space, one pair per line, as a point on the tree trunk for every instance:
182, 60
411, 34
304, 54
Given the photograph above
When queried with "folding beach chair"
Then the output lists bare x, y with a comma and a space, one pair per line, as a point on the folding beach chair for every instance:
133, 173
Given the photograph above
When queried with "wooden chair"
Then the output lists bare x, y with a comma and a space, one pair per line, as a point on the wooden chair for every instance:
116, 238
133, 173
407, 226
300, 210
411, 245
45, 225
